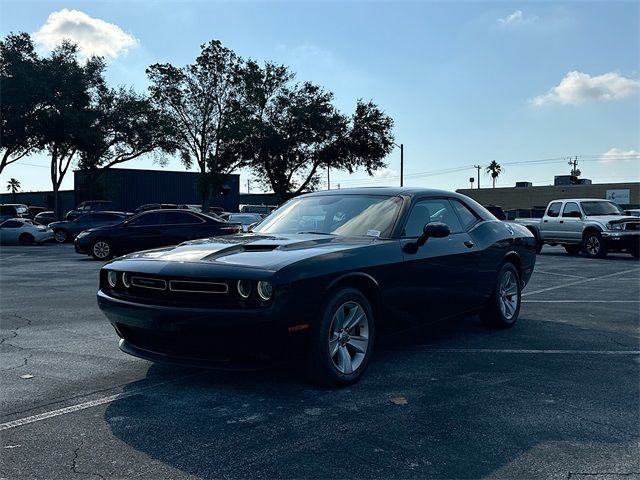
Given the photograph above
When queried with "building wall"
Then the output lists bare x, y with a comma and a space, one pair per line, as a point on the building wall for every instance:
131, 188
530, 197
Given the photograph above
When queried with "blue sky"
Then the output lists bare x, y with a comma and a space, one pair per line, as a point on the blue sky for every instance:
466, 82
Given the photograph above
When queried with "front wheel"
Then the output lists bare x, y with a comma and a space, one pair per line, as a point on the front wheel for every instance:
60, 235
101, 250
593, 245
504, 307
342, 344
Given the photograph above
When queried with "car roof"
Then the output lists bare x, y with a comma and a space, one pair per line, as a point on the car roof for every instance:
582, 200
388, 191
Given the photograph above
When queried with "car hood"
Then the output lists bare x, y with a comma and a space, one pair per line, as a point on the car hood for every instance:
612, 218
269, 252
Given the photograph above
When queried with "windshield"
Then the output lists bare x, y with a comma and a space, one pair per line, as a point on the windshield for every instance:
348, 215
601, 208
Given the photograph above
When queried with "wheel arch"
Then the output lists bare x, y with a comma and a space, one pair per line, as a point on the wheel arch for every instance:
514, 258
590, 229
361, 281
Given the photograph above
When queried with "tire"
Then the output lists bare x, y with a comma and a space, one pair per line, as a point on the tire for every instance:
504, 307
61, 235
573, 249
352, 348
26, 239
101, 249
593, 246
539, 245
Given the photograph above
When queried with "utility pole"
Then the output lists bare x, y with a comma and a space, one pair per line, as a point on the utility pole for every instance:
402, 164
478, 167
248, 186
574, 171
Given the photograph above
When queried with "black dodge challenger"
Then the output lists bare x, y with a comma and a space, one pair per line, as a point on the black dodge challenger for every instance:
318, 279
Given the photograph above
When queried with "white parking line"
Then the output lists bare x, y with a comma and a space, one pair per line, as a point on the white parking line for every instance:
12, 256
581, 301
83, 406
579, 282
559, 274
528, 352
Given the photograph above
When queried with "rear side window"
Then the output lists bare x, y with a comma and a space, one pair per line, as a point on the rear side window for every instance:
571, 209
180, 218
11, 224
144, 219
554, 209
467, 217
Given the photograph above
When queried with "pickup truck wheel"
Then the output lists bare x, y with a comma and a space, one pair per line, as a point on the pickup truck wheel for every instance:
573, 249
593, 246
504, 307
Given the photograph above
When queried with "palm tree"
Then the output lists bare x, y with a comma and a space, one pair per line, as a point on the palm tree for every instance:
13, 186
495, 169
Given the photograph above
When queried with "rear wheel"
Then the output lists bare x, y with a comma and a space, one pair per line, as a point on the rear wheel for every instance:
26, 239
573, 249
504, 308
101, 250
342, 344
60, 235
593, 246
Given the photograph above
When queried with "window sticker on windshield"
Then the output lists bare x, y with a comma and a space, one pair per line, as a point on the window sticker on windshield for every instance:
373, 233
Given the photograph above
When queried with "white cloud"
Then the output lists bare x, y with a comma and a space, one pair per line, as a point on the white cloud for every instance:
614, 154
385, 173
93, 36
517, 18
577, 87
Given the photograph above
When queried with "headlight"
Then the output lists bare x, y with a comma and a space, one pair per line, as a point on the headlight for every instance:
244, 288
265, 290
125, 280
615, 226
82, 234
112, 278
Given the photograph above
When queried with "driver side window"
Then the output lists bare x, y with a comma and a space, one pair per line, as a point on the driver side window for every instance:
427, 211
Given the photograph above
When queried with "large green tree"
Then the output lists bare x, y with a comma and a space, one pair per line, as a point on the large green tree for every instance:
21, 91
202, 102
296, 131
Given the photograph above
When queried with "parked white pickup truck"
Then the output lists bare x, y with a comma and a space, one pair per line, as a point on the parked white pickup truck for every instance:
590, 225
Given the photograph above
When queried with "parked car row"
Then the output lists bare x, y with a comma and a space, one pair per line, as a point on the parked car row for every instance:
22, 231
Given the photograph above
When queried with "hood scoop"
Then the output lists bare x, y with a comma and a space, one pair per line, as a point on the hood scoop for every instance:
257, 247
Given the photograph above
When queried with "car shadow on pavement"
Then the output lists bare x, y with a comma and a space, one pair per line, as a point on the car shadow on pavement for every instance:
613, 257
413, 415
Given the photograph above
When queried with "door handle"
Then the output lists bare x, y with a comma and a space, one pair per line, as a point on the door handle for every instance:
545, 221
469, 244
561, 221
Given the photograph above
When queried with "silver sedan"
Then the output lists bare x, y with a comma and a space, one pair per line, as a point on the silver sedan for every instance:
23, 231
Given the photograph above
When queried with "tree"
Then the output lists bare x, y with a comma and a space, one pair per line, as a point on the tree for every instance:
13, 186
295, 131
202, 103
494, 169
68, 117
21, 92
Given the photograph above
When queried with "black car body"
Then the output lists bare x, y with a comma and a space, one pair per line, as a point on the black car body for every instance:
91, 206
45, 218
155, 206
150, 229
396, 257
67, 230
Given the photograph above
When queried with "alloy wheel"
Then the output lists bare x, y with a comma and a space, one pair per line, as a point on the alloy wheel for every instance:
348, 337
60, 236
101, 249
593, 246
508, 295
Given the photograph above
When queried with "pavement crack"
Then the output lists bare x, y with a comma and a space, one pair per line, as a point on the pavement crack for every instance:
74, 463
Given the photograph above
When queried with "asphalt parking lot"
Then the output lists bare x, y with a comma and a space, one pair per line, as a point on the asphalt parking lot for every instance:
558, 396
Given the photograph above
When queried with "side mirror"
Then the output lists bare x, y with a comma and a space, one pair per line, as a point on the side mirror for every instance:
430, 230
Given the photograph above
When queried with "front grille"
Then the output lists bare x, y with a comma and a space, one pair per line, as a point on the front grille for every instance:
191, 286
632, 226
151, 283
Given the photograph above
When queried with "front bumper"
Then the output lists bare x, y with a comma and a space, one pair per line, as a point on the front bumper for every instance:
622, 240
198, 336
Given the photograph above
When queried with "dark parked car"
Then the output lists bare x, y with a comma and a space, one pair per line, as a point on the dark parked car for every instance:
91, 206
67, 230
244, 219
154, 206
45, 218
320, 277
33, 211
13, 210
150, 229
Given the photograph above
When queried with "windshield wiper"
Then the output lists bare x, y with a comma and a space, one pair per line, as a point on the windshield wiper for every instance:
315, 233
